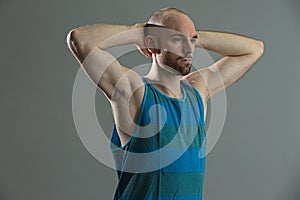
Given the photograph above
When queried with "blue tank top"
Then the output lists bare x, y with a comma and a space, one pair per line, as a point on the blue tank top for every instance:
165, 157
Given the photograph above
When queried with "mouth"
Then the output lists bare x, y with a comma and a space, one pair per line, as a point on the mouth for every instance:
186, 60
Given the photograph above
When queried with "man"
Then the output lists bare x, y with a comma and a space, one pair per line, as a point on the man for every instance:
168, 37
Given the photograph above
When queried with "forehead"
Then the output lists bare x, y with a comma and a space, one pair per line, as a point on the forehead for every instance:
180, 23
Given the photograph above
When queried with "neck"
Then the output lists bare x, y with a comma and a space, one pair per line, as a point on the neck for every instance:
165, 79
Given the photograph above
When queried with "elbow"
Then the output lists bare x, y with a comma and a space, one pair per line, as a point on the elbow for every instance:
68, 38
260, 48
75, 44
71, 41
257, 49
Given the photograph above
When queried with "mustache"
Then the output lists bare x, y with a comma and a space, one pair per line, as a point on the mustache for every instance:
185, 57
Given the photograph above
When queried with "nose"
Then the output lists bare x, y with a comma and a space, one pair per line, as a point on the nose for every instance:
188, 47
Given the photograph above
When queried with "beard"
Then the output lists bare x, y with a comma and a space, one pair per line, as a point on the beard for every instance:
174, 62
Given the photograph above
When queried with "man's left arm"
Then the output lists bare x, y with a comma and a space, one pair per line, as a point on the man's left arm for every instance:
240, 53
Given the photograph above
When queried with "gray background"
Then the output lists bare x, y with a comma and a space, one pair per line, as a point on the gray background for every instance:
42, 157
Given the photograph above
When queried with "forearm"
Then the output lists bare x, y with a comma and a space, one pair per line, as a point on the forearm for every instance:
228, 44
86, 38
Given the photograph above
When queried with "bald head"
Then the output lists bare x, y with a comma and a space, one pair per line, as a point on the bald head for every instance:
159, 17
170, 18
170, 37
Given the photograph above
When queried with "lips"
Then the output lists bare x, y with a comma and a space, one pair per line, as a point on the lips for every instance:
186, 60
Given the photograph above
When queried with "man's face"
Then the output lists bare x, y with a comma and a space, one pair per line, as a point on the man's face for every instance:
177, 43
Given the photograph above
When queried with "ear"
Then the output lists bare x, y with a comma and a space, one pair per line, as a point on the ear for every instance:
152, 44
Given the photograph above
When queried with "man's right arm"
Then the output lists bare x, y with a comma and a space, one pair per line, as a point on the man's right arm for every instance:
88, 44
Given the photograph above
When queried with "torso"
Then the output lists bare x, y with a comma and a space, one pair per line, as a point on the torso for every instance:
182, 136
134, 107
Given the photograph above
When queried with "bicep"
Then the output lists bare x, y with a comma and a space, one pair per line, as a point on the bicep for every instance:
104, 69
110, 76
226, 71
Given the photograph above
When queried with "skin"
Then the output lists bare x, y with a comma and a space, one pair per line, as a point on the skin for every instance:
176, 46
171, 55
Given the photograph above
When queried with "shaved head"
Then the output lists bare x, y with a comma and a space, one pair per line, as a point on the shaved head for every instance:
158, 17
170, 37
166, 18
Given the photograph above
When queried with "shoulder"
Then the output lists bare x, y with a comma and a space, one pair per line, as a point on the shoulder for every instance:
196, 81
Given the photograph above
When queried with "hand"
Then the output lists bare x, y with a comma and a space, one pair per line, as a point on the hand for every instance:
141, 44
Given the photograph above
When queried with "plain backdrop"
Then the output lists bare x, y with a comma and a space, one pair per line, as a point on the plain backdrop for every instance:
41, 154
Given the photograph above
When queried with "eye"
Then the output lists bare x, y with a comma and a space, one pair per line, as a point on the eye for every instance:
176, 39
193, 40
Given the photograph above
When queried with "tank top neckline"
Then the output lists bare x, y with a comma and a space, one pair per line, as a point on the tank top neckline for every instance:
163, 94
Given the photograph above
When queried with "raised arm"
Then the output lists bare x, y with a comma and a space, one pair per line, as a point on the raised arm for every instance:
120, 84
240, 53
88, 44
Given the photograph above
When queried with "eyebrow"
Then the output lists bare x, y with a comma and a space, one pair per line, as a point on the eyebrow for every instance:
182, 35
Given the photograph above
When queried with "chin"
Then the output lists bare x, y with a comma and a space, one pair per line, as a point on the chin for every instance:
186, 70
